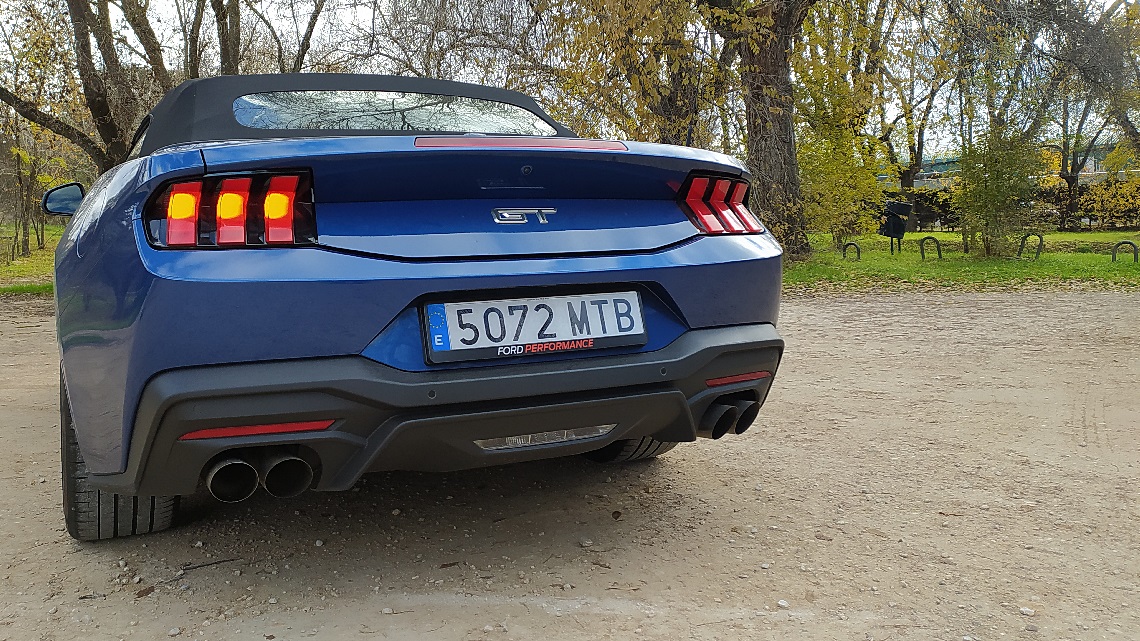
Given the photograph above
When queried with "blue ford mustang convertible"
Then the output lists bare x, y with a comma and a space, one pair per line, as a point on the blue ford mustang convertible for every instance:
298, 279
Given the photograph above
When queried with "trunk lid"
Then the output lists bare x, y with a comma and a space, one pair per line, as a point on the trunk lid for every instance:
386, 196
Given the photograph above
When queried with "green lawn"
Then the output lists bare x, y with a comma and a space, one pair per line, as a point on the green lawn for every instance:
31, 275
1071, 257
879, 269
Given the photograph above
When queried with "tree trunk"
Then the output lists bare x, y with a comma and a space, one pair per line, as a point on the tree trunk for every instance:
906, 184
193, 36
227, 16
1071, 201
765, 74
22, 232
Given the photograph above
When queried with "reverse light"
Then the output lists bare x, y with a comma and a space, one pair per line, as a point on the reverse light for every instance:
249, 210
545, 438
716, 205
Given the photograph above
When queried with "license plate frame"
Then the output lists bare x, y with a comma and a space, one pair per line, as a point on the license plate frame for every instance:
438, 322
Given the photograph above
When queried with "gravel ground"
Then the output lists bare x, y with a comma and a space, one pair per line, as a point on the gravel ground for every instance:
930, 466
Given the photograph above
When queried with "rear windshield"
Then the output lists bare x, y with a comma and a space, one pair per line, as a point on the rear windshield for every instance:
386, 111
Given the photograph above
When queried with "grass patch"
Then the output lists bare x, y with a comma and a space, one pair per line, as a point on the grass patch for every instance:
32, 274
39, 289
879, 269
1069, 257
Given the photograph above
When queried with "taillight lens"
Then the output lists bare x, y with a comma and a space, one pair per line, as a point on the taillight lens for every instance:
182, 205
716, 205
248, 210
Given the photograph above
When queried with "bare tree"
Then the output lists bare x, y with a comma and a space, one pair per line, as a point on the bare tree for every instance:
762, 36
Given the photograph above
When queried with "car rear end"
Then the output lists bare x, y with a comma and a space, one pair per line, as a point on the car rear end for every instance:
293, 311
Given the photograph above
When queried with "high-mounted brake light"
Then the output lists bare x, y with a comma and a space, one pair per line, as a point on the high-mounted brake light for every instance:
234, 211
517, 142
716, 205
182, 214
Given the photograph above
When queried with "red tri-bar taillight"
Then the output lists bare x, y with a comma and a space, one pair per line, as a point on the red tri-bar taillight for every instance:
182, 205
716, 205
279, 204
250, 210
231, 210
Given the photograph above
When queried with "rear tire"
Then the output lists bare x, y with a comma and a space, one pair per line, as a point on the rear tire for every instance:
92, 514
631, 449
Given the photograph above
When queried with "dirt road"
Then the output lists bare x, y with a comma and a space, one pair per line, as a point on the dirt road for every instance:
932, 467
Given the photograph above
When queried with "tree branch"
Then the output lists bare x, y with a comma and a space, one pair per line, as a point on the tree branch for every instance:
272, 34
31, 113
94, 90
307, 40
135, 13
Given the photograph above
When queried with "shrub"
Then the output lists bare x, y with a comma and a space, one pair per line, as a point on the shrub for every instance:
995, 191
1113, 203
841, 190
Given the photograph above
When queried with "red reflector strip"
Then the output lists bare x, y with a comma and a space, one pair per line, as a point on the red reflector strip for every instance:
279, 200
520, 142
182, 214
233, 200
738, 378
723, 212
736, 201
695, 199
257, 430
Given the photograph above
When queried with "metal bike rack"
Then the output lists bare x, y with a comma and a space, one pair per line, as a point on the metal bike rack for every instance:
1135, 252
922, 247
858, 252
1040, 244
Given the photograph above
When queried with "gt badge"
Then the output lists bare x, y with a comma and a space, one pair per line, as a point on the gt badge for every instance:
520, 216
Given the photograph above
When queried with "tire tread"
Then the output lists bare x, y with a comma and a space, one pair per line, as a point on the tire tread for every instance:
636, 449
91, 514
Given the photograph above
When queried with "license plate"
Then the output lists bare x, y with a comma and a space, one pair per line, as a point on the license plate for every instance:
532, 326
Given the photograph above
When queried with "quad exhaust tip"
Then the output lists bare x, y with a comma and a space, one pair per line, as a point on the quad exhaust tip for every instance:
235, 479
232, 480
285, 476
718, 420
728, 415
747, 413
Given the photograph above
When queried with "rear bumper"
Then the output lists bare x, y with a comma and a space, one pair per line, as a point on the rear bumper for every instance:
390, 419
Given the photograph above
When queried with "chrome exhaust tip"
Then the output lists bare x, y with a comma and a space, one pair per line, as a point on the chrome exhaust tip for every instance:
232, 480
285, 476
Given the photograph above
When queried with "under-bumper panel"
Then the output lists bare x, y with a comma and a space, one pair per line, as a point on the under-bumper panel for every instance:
388, 419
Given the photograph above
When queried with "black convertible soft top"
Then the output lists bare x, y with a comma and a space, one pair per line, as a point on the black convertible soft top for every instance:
202, 110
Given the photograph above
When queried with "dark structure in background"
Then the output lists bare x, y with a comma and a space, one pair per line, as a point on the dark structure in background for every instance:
893, 222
